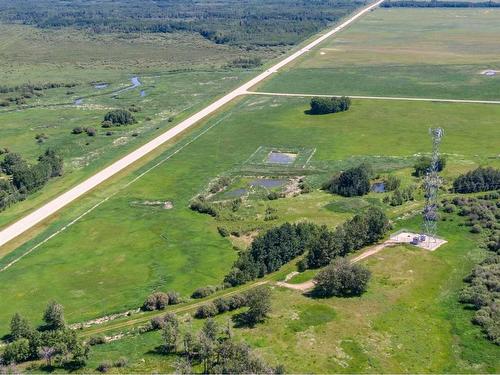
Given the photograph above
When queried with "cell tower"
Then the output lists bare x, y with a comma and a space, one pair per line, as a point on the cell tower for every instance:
431, 184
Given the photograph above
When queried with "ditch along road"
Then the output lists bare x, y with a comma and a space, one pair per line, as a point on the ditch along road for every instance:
40, 214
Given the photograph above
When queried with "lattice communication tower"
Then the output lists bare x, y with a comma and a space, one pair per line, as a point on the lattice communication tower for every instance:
432, 182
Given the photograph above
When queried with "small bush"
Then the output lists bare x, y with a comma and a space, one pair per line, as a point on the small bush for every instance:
157, 323
206, 311
104, 366
173, 297
106, 124
156, 301
273, 195
121, 362
223, 231
204, 292
97, 340
476, 228
222, 305
91, 132
77, 130
341, 278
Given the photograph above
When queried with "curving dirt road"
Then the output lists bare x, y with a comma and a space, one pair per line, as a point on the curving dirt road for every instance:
308, 285
64, 199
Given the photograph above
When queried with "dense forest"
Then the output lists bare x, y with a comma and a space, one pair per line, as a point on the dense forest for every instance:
439, 4
250, 22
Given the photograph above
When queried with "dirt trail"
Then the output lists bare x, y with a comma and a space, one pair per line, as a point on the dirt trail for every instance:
308, 285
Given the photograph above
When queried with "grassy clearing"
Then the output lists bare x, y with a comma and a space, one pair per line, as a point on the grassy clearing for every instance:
438, 53
140, 250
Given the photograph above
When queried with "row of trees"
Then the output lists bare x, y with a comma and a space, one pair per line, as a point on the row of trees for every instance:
480, 179
323, 106
54, 341
269, 251
362, 230
26, 178
351, 182
258, 301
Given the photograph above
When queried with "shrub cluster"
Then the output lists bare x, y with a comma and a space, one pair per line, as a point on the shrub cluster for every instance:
322, 106
342, 279
118, 117
482, 215
105, 366
245, 62
480, 179
392, 182
204, 291
400, 196
352, 182
220, 306
482, 294
160, 300
27, 178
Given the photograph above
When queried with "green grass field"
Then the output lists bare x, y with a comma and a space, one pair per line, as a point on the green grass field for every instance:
142, 249
408, 321
438, 53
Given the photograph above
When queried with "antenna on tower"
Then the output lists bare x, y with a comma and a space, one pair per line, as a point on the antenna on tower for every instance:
432, 182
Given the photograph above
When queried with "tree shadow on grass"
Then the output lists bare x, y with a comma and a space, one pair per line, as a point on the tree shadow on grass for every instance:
311, 113
243, 320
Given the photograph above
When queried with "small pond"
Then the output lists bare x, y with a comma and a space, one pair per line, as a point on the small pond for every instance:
277, 157
267, 183
78, 101
378, 187
100, 86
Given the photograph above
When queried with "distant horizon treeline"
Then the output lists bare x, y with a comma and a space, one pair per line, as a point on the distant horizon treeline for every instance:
439, 4
251, 23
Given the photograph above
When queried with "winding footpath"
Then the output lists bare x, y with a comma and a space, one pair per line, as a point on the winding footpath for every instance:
40, 214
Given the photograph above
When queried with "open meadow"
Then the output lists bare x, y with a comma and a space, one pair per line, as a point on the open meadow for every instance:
143, 248
408, 321
438, 53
